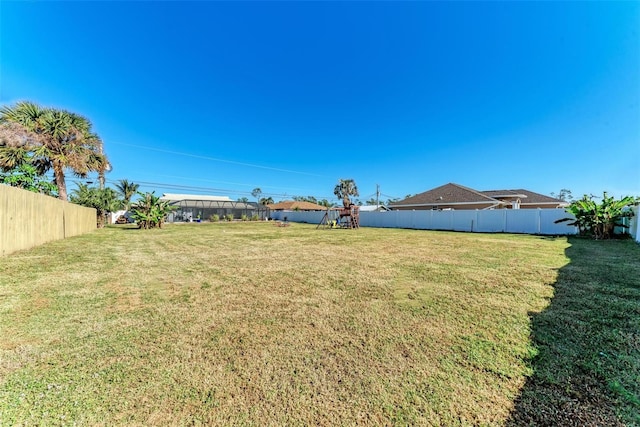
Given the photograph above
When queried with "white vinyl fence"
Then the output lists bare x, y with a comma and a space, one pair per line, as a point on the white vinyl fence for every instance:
525, 221
634, 225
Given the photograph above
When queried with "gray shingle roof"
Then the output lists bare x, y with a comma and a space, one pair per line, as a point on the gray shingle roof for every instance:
530, 196
450, 194
447, 194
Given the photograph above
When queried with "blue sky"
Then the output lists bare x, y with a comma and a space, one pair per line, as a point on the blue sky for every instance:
223, 97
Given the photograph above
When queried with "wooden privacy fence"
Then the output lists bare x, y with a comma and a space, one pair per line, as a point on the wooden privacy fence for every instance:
29, 219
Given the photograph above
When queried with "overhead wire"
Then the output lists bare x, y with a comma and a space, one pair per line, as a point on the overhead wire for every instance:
198, 156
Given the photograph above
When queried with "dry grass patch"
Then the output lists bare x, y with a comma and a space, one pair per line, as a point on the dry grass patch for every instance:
249, 324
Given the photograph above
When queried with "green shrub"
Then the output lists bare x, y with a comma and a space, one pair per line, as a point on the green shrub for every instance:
229, 217
599, 220
255, 217
214, 218
149, 211
244, 217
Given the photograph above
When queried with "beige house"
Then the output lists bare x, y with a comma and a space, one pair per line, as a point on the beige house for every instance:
455, 196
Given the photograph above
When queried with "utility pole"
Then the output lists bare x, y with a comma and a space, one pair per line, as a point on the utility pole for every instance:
377, 196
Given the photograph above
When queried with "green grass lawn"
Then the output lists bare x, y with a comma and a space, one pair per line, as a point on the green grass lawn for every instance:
251, 324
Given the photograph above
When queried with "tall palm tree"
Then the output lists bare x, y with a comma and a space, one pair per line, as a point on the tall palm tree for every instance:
98, 161
51, 139
344, 189
127, 190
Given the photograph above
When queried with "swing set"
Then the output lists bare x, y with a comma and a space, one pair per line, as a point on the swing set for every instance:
348, 217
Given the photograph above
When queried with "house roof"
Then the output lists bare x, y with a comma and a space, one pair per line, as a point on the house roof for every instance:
504, 194
373, 208
526, 196
452, 194
446, 195
290, 205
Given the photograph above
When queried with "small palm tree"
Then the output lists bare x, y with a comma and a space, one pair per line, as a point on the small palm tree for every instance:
127, 190
344, 189
599, 219
150, 212
103, 200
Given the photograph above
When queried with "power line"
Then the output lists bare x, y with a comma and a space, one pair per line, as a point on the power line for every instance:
207, 190
161, 150
389, 197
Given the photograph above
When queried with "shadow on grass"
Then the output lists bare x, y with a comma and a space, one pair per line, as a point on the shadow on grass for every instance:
123, 227
587, 370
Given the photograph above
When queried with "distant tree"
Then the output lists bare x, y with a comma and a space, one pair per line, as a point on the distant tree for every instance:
26, 176
127, 190
371, 202
49, 139
256, 192
325, 203
392, 201
243, 200
564, 195
345, 189
266, 200
309, 199
103, 200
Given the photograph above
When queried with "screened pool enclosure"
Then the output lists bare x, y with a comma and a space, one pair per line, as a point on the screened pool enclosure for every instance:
192, 207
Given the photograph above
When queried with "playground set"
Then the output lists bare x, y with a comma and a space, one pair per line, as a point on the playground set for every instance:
347, 217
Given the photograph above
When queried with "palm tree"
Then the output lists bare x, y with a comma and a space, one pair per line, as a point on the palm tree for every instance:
150, 211
127, 190
98, 161
344, 189
600, 220
103, 200
266, 200
13, 138
51, 139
